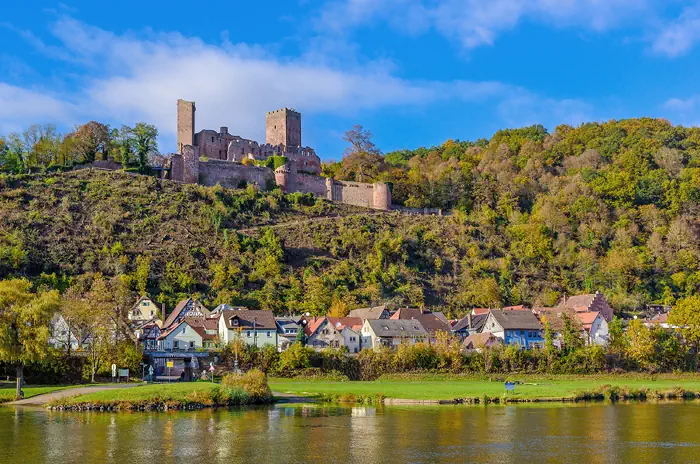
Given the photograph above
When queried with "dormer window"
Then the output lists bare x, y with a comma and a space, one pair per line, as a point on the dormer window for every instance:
234, 321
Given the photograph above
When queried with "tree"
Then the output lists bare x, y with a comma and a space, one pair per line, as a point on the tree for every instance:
301, 337
571, 334
25, 318
686, 315
641, 346
124, 145
91, 139
616, 332
548, 336
362, 161
145, 144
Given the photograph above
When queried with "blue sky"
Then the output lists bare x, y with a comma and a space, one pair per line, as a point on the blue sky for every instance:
415, 72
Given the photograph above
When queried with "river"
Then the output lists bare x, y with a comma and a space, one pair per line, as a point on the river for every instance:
591, 433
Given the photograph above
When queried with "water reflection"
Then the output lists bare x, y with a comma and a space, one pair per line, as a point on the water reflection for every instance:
597, 433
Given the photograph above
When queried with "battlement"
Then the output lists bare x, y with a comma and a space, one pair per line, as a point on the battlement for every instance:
284, 110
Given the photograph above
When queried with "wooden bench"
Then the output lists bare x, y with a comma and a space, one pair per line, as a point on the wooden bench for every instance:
167, 377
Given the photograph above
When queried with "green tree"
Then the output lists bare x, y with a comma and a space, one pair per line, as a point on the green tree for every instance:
25, 317
91, 141
145, 144
686, 315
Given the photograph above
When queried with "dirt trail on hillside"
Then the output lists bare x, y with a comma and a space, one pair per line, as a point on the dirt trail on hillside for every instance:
41, 400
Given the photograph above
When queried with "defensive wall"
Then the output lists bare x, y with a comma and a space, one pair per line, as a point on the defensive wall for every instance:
188, 168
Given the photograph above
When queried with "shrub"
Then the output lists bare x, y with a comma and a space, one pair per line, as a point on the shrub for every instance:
253, 383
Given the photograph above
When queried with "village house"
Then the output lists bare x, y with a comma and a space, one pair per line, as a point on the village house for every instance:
515, 327
254, 327
188, 308
288, 329
148, 333
376, 312
591, 302
592, 326
391, 333
432, 323
350, 328
468, 325
183, 336
321, 333
144, 310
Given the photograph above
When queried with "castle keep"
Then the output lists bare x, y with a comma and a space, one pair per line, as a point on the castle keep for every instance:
209, 157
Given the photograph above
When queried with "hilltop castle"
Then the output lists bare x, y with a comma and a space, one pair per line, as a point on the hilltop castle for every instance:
229, 160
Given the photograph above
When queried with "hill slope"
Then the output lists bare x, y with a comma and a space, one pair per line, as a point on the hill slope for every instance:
622, 218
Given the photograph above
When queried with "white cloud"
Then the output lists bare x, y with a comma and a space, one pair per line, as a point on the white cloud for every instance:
475, 23
680, 36
684, 111
21, 107
138, 77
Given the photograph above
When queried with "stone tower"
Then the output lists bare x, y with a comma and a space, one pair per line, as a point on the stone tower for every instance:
283, 127
185, 124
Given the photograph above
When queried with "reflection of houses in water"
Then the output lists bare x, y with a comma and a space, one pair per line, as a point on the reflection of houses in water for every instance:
363, 412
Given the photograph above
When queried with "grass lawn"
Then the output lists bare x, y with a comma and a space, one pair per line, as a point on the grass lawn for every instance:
427, 388
7, 390
175, 391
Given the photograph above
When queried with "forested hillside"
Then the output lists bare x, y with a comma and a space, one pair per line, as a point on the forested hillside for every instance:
611, 207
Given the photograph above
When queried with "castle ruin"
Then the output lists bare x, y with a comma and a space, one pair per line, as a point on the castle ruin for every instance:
209, 157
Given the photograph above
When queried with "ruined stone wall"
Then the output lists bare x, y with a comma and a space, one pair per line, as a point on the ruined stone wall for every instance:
177, 167
232, 175
190, 164
375, 196
307, 183
185, 124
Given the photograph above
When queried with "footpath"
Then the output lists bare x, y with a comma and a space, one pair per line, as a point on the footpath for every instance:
41, 400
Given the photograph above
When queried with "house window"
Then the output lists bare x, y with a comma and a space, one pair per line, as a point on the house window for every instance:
247, 334
191, 344
269, 334
235, 322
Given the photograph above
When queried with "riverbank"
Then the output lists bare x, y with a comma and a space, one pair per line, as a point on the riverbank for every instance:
234, 390
7, 390
405, 389
419, 389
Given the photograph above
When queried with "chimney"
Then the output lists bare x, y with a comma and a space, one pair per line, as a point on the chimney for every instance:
163, 310
469, 320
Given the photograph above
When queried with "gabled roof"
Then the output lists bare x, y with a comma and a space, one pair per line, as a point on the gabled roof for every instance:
515, 308
341, 322
428, 320
368, 313
313, 325
185, 306
174, 327
478, 340
556, 323
516, 319
477, 323
578, 302
249, 318
396, 328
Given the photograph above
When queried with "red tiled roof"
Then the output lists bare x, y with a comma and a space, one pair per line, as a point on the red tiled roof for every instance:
342, 322
313, 325
587, 318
